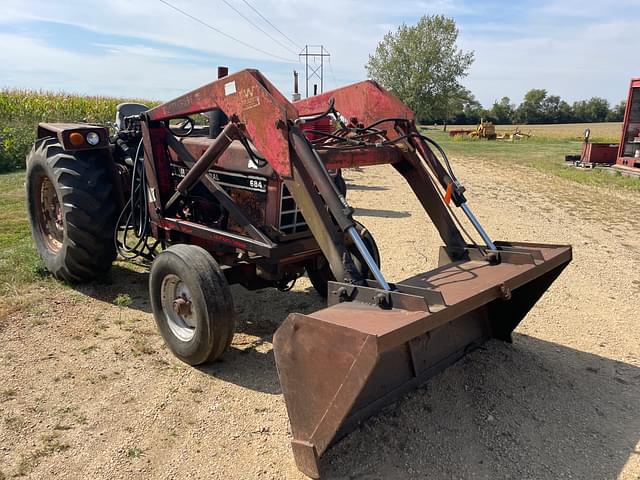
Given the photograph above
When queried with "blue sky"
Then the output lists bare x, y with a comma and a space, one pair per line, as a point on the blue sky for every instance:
143, 48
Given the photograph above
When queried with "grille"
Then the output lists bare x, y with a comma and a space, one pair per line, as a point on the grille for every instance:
291, 219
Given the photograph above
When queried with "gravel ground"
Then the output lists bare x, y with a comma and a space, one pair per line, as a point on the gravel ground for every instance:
88, 391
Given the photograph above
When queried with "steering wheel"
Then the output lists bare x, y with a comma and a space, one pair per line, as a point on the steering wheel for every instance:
187, 125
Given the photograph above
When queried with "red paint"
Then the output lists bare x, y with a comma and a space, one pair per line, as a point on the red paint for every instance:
254, 100
367, 101
631, 128
600, 153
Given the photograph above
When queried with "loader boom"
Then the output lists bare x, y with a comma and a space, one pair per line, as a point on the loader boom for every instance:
376, 339
259, 201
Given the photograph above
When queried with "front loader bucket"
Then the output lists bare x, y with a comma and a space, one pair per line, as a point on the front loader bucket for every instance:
341, 364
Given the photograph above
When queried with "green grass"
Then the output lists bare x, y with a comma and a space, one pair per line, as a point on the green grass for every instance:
545, 154
19, 262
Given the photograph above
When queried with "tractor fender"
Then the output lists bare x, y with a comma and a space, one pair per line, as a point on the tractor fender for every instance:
63, 133
73, 136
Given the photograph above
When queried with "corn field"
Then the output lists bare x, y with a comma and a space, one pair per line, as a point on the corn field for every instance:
22, 110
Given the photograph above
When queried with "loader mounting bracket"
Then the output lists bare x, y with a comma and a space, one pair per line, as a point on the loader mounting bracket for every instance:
405, 297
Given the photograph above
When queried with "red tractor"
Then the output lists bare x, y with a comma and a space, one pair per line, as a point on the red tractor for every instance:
257, 198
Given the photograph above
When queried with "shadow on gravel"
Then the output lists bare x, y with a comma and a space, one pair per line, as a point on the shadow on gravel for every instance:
259, 313
120, 281
366, 188
370, 212
533, 409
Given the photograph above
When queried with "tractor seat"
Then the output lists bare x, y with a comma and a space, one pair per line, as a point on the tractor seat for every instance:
124, 110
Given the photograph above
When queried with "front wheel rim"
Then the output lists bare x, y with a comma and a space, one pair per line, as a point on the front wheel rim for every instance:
49, 215
177, 307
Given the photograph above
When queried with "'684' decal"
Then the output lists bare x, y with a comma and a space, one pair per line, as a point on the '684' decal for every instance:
229, 179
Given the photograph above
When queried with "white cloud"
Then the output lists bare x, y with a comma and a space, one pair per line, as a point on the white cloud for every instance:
573, 48
575, 63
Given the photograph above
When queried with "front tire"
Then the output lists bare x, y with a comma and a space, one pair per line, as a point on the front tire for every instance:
191, 303
72, 211
321, 274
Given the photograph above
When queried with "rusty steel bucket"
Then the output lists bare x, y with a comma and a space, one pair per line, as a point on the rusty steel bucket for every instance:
341, 364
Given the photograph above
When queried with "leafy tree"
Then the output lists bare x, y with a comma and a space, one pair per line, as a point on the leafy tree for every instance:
595, 109
598, 109
555, 110
531, 110
503, 111
422, 65
616, 114
463, 108
581, 111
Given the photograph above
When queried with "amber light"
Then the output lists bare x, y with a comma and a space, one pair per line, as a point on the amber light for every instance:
76, 139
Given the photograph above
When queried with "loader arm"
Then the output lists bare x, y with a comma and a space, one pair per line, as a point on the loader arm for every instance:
376, 339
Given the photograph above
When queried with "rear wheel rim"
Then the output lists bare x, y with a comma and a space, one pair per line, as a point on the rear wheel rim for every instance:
177, 307
49, 213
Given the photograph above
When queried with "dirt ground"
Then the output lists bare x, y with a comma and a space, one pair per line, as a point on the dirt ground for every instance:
89, 391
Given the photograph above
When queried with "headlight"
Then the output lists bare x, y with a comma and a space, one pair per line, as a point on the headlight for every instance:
93, 138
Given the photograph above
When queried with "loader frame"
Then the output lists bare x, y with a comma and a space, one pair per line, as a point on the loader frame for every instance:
258, 111
377, 339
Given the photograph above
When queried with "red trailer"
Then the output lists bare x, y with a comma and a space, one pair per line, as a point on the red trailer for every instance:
599, 154
629, 150
594, 154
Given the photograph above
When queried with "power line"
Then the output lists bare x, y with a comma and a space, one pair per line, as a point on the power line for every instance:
335, 83
267, 20
211, 27
258, 27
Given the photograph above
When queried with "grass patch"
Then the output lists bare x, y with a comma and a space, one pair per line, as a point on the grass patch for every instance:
19, 261
544, 154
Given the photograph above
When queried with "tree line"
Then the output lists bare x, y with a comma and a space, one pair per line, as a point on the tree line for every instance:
423, 66
536, 107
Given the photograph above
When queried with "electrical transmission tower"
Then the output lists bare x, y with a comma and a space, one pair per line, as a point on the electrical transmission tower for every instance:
315, 68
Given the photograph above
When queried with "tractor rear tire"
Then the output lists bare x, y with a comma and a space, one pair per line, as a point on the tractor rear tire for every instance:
320, 275
191, 303
72, 210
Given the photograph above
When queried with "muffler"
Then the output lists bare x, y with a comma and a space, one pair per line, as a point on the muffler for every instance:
341, 364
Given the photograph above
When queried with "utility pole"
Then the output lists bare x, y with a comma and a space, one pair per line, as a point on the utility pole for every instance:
314, 70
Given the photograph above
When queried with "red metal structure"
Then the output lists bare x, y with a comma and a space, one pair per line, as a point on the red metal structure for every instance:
594, 154
629, 150
600, 153
256, 204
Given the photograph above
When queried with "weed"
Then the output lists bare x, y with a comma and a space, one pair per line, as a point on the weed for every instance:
51, 445
123, 300
135, 452
15, 423
81, 419
89, 349
60, 426
141, 345
7, 394
65, 410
